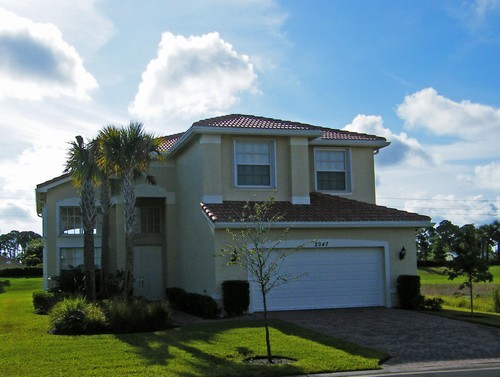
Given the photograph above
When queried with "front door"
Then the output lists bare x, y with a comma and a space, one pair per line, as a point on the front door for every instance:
148, 272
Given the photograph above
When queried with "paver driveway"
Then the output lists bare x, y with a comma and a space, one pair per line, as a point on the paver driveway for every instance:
409, 337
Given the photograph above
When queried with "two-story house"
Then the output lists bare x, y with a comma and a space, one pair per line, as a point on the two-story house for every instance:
323, 182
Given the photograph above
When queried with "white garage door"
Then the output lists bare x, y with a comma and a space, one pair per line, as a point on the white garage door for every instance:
330, 278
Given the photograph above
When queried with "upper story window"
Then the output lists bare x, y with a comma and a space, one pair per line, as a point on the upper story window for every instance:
149, 216
254, 164
150, 219
70, 220
332, 169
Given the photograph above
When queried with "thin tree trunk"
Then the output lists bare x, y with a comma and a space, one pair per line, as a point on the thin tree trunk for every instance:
471, 299
266, 325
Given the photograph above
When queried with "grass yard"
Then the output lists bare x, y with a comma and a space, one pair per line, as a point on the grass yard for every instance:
215, 348
435, 283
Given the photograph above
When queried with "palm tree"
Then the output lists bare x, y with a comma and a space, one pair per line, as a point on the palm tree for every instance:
127, 152
82, 167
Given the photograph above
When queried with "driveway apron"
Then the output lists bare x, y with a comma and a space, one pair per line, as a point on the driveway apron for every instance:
408, 337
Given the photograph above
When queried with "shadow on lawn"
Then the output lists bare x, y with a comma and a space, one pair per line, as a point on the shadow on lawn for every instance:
191, 348
3, 284
160, 348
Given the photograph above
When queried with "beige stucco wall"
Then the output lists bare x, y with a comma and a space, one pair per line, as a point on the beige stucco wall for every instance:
194, 257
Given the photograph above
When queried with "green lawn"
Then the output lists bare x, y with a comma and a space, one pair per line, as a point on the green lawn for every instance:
211, 349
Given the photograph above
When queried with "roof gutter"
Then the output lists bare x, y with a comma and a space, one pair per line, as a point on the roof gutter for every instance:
325, 224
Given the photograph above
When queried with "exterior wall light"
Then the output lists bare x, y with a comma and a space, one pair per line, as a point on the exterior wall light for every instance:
402, 253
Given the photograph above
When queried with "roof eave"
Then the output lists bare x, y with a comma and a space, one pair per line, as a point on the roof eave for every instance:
326, 224
378, 144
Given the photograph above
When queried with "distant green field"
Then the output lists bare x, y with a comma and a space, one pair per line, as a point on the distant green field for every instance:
437, 275
435, 283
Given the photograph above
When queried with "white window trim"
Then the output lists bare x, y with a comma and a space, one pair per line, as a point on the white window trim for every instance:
272, 161
348, 170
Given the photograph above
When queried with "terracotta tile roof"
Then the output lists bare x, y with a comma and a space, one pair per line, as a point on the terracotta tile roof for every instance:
323, 208
261, 123
169, 141
253, 122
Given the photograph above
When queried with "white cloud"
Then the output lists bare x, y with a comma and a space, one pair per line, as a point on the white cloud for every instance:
402, 148
193, 77
81, 22
488, 176
484, 7
473, 209
442, 116
35, 62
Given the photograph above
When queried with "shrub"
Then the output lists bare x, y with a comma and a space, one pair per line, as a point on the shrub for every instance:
126, 316
200, 305
496, 300
175, 297
432, 304
43, 301
22, 272
235, 297
77, 316
409, 292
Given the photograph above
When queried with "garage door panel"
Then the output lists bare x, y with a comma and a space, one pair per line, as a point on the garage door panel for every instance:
329, 278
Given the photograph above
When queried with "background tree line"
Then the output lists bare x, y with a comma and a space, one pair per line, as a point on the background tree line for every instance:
442, 242
23, 246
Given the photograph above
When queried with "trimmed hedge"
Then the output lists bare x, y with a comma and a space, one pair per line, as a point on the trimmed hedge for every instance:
44, 301
235, 297
193, 303
22, 272
409, 292
410, 297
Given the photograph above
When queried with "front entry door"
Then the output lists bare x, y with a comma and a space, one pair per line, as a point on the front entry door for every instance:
148, 272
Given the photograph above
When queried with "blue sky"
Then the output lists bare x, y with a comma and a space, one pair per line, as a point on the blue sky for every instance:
423, 74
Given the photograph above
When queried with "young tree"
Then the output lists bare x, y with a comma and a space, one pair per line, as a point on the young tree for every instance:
468, 262
254, 247
127, 153
81, 165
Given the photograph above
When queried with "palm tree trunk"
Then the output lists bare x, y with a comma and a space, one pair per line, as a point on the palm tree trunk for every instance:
129, 212
89, 217
105, 190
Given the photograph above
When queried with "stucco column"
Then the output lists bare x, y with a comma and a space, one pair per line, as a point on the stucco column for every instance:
299, 170
212, 172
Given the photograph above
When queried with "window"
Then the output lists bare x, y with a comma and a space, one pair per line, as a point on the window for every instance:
149, 216
332, 170
150, 219
70, 221
72, 257
254, 164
